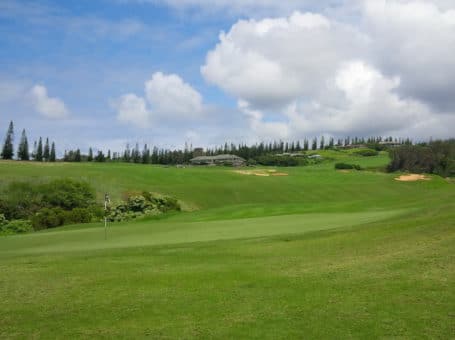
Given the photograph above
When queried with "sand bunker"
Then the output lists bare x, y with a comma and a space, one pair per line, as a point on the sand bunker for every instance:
412, 178
262, 173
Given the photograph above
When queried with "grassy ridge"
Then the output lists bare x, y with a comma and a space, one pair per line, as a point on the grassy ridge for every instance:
316, 254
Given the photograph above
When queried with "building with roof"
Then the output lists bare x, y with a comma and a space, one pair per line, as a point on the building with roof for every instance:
225, 159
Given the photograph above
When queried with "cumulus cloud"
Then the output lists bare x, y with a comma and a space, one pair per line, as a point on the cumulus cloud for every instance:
167, 98
388, 72
50, 107
414, 39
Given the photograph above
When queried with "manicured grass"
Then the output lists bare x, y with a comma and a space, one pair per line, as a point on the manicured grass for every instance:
315, 254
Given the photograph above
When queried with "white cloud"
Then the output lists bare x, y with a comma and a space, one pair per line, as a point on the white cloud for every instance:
415, 40
133, 109
365, 103
170, 96
306, 74
49, 107
273, 61
167, 98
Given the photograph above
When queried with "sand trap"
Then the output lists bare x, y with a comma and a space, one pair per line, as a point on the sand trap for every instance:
261, 173
412, 178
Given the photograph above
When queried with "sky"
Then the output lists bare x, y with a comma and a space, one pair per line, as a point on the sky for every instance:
104, 73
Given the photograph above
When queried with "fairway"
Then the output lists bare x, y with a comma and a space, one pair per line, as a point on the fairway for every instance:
314, 254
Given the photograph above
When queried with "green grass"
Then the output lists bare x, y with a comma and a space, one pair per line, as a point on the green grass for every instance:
316, 254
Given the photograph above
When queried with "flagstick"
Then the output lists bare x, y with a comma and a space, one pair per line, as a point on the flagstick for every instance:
106, 201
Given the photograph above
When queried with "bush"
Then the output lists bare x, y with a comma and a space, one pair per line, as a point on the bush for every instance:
16, 227
346, 166
19, 200
147, 204
78, 215
366, 152
275, 160
68, 194
3, 220
48, 218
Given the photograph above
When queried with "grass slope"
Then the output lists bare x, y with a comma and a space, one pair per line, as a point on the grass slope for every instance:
316, 254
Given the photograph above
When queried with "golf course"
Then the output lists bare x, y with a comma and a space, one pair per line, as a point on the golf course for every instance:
263, 253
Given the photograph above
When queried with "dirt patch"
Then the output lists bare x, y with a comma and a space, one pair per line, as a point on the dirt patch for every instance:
261, 173
412, 178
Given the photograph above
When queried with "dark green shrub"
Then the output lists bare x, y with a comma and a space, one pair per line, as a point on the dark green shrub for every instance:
78, 215
16, 227
275, 160
3, 220
48, 218
19, 200
68, 194
436, 157
346, 166
366, 152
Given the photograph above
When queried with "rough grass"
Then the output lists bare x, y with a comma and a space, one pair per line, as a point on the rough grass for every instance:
316, 254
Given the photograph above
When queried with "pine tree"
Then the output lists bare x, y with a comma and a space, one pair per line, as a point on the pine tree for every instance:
77, 156
23, 153
322, 143
90, 155
136, 154
305, 144
39, 151
8, 146
35, 146
127, 153
146, 155
46, 153
314, 145
100, 157
52, 155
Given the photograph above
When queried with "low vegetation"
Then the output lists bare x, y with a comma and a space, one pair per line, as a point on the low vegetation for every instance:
365, 152
437, 157
147, 204
346, 166
47, 205
27, 206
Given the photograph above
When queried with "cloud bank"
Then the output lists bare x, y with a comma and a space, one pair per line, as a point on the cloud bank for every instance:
307, 73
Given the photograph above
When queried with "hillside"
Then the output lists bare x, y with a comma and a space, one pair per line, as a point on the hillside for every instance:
315, 253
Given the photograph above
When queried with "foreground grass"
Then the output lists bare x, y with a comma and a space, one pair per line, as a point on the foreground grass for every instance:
392, 278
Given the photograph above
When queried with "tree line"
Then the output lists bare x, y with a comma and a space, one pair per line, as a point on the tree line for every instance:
44, 150
437, 157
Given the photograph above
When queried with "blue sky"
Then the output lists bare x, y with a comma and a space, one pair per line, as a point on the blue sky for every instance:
108, 72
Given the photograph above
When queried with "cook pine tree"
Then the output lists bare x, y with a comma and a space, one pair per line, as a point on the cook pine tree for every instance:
39, 151
52, 155
8, 146
23, 153
47, 151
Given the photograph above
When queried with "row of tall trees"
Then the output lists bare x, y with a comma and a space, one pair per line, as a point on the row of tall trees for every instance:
45, 151
41, 151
